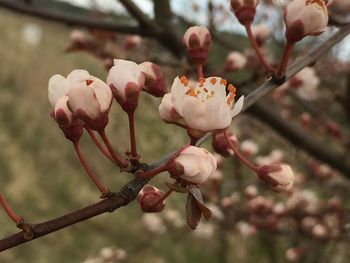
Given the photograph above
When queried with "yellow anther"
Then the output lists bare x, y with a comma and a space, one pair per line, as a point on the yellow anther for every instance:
223, 82
213, 81
184, 81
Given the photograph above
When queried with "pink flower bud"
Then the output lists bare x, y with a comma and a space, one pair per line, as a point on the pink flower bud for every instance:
198, 42
244, 10
194, 165
148, 197
90, 100
279, 177
69, 124
305, 18
126, 81
154, 79
249, 147
235, 61
221, 146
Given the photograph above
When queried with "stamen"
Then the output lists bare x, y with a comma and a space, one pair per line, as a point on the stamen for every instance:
191, 92
201, 82
184, 81
223, 82
213, 81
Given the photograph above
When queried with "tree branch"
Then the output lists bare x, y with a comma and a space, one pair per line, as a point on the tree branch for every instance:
34, 10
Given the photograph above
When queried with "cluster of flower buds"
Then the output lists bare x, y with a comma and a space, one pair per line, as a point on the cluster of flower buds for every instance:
79, 98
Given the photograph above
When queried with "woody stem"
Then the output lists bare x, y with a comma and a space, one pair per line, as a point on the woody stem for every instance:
9, 211
88, 169
256, 47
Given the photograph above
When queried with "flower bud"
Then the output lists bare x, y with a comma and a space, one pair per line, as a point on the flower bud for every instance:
148, 197
279, 177
249, 147
198, 42
132, 41
193, 165
90, 101
244, 10
305, 18
126, 81
154, 79
235, 61
221, 146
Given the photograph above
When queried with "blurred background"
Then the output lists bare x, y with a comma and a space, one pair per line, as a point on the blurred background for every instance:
43, 179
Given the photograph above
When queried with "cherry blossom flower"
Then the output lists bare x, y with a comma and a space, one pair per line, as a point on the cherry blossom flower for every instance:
279, 177
193, 165
244, 10
305, 17
154, 79
126, 82
201, 107
89, 98
198, 42
148, 197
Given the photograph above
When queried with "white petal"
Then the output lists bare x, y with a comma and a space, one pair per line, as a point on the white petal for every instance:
58, 87
238, 107
78, 75
103, 94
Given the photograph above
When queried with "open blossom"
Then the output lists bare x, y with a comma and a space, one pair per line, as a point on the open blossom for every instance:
194, 165
58, 90
280, 177
89, 98
198, 42
200, 107
244, 10
305, 17
235, 61
148, 197
126, 82
154, 79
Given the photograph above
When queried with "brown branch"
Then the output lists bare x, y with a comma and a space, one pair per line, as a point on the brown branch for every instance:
34, 10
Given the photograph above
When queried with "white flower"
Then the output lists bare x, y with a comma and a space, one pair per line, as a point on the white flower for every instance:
197, 35
280, 180
126, 82
89, 99
154, 79
197, 165
204, 106
305, 17
235, 61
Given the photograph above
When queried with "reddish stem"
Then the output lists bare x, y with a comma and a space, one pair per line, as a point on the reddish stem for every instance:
9, 210
200, 71
286, 55
256, 47
88, 169
119, 161
240, 155
132, 134
99, 145
161, 199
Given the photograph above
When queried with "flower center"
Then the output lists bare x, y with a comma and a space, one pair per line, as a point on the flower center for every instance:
319, 2
203, 90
